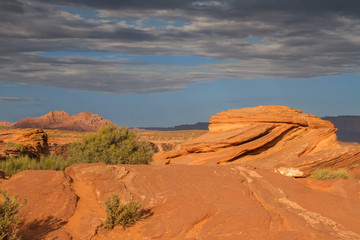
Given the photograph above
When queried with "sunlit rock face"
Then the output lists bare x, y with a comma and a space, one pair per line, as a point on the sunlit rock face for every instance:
186, 202
17, 142
269, 137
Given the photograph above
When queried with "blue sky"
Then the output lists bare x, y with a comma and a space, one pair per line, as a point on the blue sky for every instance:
196, 103
165, 63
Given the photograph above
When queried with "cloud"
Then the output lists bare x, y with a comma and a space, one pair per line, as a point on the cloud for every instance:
17, 99
294, 39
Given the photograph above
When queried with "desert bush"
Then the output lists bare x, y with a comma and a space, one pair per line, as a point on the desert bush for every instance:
121, 214
111, 145
12, 166
327, 173
9, 217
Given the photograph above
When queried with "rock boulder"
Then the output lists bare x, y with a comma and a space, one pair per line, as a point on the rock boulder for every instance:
269, 137
16, 142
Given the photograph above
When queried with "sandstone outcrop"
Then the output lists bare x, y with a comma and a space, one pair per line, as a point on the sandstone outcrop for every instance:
82, 122
268, 137
16, 142
186, 202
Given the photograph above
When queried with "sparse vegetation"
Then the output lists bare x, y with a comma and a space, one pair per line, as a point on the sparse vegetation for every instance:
12, 166
121, 214
111, 145
18, 146
9, 216
71, 136
327, 173
176, 136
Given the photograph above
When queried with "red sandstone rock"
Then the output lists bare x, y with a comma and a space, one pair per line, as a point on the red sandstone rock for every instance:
31, 142
269, 137
82, 122
50, 201
187, 202
238, 118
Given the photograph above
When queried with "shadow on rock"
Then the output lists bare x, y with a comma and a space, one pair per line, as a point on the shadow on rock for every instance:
145, 213
39, 229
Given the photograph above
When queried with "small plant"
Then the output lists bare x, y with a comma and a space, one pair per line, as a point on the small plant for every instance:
327, 173
9, 217
121, 214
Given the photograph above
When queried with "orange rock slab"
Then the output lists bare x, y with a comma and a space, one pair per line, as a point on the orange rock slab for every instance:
187, 202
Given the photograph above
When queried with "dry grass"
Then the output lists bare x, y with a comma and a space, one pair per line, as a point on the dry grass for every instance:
327, 173
173, 136
64, 135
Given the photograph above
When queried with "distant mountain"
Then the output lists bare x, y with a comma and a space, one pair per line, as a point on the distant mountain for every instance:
348, 127
82, 122
196, 126
6, 124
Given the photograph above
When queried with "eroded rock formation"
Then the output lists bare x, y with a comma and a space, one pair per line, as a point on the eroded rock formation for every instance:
82, 122
16, 142
269, 137
186, 202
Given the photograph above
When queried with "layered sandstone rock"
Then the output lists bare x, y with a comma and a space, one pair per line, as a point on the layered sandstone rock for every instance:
16, 142
82, 122
186, 202
269, 137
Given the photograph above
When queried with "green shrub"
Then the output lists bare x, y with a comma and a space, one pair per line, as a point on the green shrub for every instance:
327, 173
12, 166
9, 217
111, 145
121, 214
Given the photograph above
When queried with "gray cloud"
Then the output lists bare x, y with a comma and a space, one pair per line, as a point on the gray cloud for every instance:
265, 38
18, 99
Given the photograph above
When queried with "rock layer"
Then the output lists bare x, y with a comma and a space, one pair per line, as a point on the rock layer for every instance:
16, 142
269, 137
82, 122
186, 202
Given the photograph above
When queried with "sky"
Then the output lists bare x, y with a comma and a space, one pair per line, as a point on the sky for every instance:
162, 63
